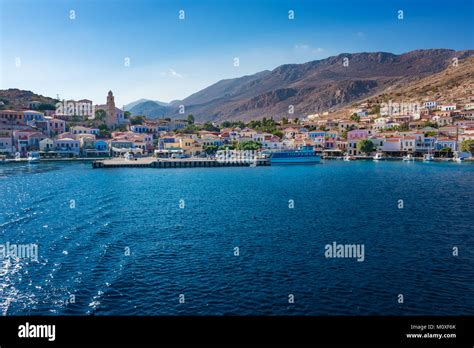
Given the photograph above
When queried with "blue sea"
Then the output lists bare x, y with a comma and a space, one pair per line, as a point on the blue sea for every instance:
238, 241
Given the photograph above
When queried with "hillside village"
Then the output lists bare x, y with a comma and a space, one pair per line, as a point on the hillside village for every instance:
79, 129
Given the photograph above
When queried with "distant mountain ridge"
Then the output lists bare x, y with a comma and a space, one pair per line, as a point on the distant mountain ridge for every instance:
129, 106
149, 108
320, 85
315, 86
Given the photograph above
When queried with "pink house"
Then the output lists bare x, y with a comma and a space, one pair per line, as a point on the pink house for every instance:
357, 134
56, 126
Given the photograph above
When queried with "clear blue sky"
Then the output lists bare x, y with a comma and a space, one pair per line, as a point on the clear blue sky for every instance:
172, 58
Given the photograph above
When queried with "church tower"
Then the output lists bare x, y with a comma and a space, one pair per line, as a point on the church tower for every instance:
111, 119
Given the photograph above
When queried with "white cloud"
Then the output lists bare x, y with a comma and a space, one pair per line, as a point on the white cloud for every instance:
171, 73
301, 47
318, 50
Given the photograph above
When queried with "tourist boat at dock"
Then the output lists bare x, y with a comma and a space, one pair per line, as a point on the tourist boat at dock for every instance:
305, 154
408, 157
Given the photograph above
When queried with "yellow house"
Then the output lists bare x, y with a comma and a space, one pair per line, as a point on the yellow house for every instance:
190, 146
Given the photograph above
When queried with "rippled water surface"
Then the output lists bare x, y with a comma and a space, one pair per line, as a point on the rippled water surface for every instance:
190, 251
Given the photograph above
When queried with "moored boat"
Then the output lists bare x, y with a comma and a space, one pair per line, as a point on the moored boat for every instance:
305, 154
408, 157
428, 157
33, 157
378, 156
348, 157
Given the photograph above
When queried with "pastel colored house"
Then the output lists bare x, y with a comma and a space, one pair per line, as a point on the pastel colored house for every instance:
316, 134
6, 143
101, 146
357, 134
67, 146
141, 129
408, 143
31, 115
392, 144
46, 145
56, 126
83, 130
11, 117
446, 143
424, 144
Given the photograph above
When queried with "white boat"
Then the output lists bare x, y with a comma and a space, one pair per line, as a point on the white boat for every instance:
428, 157
17, 156
459, 156
33, 157
348, 157
408, 157
378, 156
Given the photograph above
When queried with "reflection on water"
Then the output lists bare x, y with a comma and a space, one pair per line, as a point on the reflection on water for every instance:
12, 168
190, 250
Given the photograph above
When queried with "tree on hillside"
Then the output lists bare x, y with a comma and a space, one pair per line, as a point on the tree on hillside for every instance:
210, 149
104, 132
467, 145
136, 120
430, 134
100, 115
45, 106
208, 126
375, 109
430, 124
365, 146
354, 117
226, 147
190, 119
249, 145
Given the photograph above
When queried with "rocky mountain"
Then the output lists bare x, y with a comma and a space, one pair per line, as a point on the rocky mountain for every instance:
331, 84
321, 85
454, 83
129, 106
15, 98
149, 108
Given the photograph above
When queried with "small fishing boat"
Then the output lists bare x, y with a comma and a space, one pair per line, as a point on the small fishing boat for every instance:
33, 157
128, 156
378, 156
408, 157
428, 157
348, 157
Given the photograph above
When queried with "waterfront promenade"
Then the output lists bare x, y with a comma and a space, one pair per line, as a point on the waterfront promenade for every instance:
152, 162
